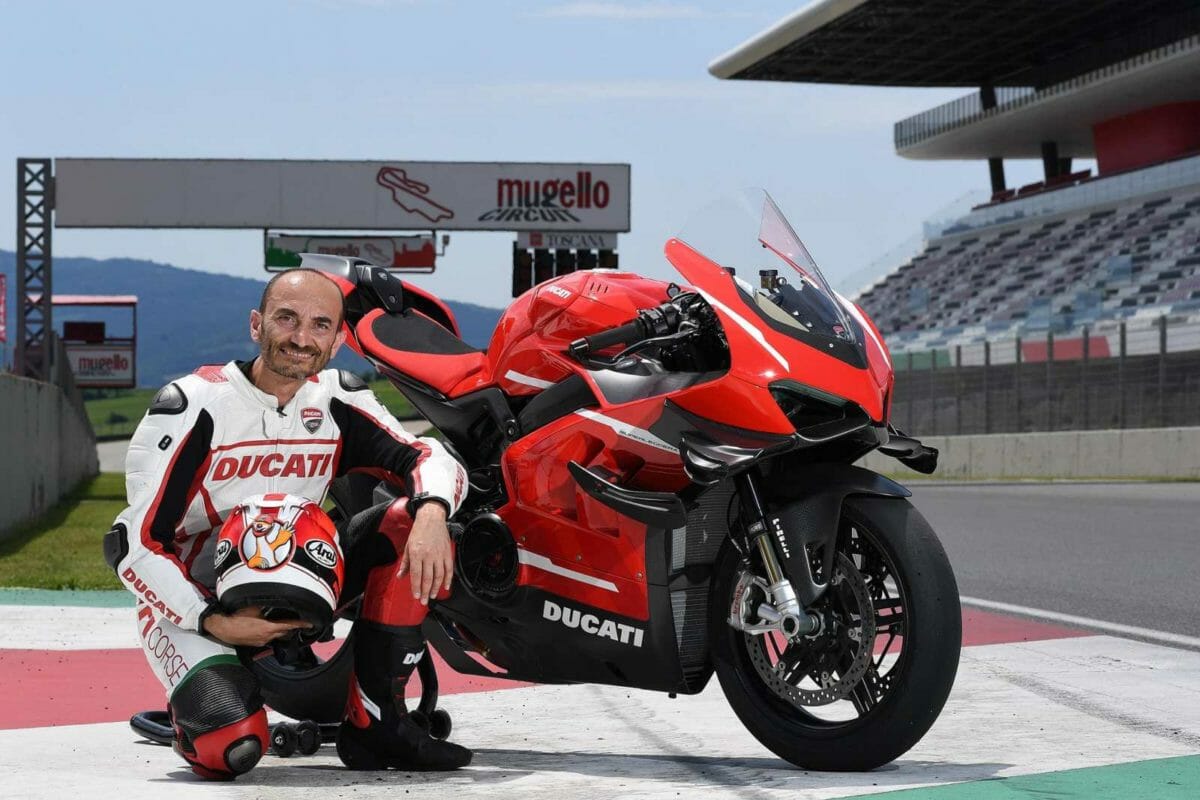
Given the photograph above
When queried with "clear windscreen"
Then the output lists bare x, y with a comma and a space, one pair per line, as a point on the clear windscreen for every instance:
747, 235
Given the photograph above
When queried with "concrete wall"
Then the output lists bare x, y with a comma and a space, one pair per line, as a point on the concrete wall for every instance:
1137, 453
46, 448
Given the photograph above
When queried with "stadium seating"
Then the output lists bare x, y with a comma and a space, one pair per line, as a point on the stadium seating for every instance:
1139, 258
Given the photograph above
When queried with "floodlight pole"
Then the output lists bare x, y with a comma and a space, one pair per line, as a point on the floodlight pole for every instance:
35, 205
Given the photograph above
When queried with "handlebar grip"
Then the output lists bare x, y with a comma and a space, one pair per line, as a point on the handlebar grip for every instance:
628, 333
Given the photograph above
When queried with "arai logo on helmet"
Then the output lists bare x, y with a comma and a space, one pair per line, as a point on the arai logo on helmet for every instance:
224, 548
321, 553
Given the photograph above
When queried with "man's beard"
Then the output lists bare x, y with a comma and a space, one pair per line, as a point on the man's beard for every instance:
280, 364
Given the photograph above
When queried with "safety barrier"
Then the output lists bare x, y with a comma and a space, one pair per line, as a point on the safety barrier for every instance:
1146, 453
46, 440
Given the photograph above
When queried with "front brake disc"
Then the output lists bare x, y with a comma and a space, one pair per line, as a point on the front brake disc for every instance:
833, 661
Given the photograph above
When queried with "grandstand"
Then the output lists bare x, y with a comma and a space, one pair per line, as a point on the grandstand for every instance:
1095, 259
1134, 259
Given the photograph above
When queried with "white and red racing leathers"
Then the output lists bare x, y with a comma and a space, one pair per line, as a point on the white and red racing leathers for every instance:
211, 439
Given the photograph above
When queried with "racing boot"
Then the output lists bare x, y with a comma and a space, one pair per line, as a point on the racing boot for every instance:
378, 731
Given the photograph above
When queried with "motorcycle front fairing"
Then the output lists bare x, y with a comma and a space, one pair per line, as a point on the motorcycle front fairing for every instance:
796, 329
819, 367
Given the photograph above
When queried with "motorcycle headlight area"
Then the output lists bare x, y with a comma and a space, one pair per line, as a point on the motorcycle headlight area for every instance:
817, 415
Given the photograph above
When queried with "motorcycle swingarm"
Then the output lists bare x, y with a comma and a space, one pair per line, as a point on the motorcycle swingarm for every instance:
812, 519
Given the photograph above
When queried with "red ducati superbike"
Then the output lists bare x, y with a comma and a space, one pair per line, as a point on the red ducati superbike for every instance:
662, 480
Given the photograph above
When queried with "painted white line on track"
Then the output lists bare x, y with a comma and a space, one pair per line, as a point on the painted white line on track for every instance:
1085, 622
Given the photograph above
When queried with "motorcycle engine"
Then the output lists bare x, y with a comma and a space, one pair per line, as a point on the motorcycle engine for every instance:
486, 556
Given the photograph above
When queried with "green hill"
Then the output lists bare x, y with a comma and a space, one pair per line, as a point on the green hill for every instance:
186, 317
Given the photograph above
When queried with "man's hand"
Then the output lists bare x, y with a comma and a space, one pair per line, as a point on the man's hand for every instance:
246, 626
428, 555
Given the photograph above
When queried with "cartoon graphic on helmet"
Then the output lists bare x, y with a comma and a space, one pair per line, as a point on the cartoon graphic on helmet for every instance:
267, 543
281, 553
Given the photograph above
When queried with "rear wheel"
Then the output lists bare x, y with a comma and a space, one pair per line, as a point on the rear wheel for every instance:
306, 687
866, 687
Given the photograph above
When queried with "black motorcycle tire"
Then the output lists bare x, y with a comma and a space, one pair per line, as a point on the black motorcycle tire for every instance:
317, 693
910, 708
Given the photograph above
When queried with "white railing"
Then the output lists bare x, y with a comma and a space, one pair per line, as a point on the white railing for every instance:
969, 109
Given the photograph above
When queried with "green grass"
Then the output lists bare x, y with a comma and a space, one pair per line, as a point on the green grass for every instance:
393, 401
119, 414
62, 548
116, 416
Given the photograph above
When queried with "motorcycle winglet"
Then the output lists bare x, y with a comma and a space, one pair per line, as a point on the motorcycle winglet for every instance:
910, 452
657, 509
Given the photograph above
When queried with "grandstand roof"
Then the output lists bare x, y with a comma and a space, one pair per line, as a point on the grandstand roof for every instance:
956, 42
1064, 114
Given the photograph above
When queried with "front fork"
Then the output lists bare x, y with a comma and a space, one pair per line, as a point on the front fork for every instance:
783, 612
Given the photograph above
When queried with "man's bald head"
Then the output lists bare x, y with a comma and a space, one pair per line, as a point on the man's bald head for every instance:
307, 281
298, 323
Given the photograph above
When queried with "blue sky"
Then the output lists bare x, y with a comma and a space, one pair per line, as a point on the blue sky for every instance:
474, 81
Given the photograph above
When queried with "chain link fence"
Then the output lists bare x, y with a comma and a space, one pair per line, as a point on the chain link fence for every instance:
1121, 376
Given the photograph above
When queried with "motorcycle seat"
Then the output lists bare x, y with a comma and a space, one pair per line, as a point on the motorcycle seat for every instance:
415, 345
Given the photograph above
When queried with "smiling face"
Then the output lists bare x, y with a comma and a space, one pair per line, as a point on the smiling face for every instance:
298, 328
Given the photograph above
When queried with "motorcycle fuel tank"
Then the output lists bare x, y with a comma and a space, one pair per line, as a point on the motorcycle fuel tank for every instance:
528, 348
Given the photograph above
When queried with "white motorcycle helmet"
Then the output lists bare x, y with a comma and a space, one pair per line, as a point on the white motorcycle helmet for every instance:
280, 552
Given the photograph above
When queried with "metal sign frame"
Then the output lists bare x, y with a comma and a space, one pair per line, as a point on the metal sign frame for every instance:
289, 194
35, 226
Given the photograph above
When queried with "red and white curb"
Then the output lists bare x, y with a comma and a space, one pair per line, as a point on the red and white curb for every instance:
1030, 697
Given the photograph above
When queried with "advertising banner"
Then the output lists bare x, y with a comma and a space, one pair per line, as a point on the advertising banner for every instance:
411, 253
566, 240
347, 195
3, 309
102, 365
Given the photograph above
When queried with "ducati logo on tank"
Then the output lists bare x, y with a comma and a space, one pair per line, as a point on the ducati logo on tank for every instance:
312, 418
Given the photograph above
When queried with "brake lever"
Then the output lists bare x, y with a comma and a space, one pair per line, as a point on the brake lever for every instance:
636, 346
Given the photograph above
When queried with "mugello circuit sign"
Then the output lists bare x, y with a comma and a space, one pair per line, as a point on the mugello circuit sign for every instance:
332, 195
101, 365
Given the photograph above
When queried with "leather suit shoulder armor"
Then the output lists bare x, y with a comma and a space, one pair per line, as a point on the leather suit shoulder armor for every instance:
169, 400
350, 382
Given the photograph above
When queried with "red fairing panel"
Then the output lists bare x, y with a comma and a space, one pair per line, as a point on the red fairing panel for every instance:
878, 356
528, 349
572, 545
761, 355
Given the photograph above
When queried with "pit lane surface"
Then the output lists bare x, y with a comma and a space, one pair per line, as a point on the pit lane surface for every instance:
1120, 552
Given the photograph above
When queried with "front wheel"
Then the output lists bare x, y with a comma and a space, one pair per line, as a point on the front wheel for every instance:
866, 687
